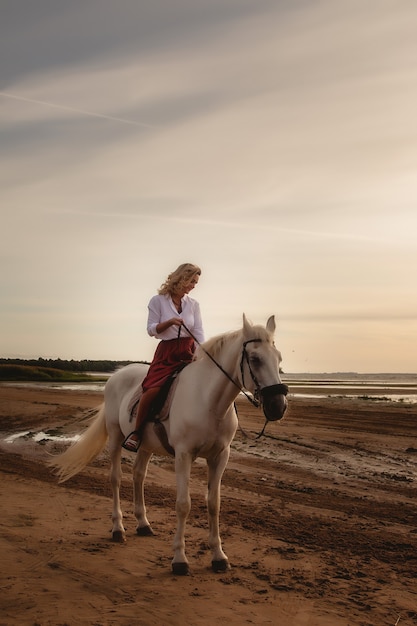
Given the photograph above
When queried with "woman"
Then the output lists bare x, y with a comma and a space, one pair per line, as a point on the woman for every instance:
167, 312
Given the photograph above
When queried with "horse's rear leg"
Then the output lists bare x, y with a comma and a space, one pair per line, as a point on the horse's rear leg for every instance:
140, 468
115, 451
216, 467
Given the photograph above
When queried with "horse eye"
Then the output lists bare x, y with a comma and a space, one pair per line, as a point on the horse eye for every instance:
255, 360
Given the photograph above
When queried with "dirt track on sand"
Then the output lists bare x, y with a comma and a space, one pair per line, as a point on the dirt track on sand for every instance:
319, 521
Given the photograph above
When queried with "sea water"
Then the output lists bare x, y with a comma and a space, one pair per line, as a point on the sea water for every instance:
388, 387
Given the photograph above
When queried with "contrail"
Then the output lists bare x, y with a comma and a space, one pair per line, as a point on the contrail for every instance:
81, 111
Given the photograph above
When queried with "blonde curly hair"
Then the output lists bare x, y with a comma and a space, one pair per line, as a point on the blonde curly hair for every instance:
179, 278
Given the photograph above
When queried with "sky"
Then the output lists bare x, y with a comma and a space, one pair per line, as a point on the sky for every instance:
272, 143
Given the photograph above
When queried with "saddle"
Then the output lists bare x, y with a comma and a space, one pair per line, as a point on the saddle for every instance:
156, 413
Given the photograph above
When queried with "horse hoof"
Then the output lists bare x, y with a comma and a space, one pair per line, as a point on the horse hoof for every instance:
220, 566
144, 531
180, 569
118, 536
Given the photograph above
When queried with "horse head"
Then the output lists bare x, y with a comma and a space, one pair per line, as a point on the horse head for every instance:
260, 369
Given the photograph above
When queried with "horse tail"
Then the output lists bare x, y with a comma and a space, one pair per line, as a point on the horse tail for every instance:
84, 450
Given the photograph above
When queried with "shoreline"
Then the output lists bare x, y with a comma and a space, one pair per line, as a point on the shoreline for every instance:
397, 393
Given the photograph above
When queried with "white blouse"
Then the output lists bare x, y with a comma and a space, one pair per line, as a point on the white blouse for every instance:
161, 309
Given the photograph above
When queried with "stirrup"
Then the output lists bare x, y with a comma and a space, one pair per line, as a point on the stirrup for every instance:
132, 445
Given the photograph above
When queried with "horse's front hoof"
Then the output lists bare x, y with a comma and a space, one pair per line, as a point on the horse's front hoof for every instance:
180, 569
144, 531
220, 566
118, 536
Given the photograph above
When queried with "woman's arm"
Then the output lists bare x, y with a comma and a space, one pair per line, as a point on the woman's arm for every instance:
198, 331
158, 309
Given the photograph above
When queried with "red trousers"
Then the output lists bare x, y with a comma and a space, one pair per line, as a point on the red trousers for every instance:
169, 356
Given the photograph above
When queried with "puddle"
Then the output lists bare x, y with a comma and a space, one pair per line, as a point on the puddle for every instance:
40, 437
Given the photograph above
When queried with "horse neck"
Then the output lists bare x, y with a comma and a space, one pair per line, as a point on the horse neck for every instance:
229, 360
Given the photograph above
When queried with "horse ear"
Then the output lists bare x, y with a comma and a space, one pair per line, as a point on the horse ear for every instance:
246, 325
270, 325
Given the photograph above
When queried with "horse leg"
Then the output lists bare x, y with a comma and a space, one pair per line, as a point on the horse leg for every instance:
216, 467
115, 451
183, 463
140, 468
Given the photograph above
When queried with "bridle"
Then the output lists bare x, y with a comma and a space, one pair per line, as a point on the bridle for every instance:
260, 394
245, 357
279, 388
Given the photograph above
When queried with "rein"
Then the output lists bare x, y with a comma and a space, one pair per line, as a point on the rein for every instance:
252, 399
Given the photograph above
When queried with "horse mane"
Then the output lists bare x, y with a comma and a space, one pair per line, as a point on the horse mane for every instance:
215, 345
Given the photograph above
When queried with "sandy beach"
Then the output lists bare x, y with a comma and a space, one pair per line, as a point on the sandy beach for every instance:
318, 519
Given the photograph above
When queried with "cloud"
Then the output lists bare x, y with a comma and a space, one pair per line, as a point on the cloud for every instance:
74, 110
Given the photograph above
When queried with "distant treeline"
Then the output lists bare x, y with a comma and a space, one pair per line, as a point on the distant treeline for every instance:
16, 373
86, 365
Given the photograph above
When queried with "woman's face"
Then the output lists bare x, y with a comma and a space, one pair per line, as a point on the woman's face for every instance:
191, 284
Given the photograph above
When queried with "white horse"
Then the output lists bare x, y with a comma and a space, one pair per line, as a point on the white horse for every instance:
201, 423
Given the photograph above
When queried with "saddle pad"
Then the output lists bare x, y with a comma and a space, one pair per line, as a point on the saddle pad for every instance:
134, 401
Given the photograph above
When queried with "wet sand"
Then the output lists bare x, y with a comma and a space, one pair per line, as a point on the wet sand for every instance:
319, 521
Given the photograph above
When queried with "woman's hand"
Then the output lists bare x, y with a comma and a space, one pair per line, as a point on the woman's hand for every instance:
174, 321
